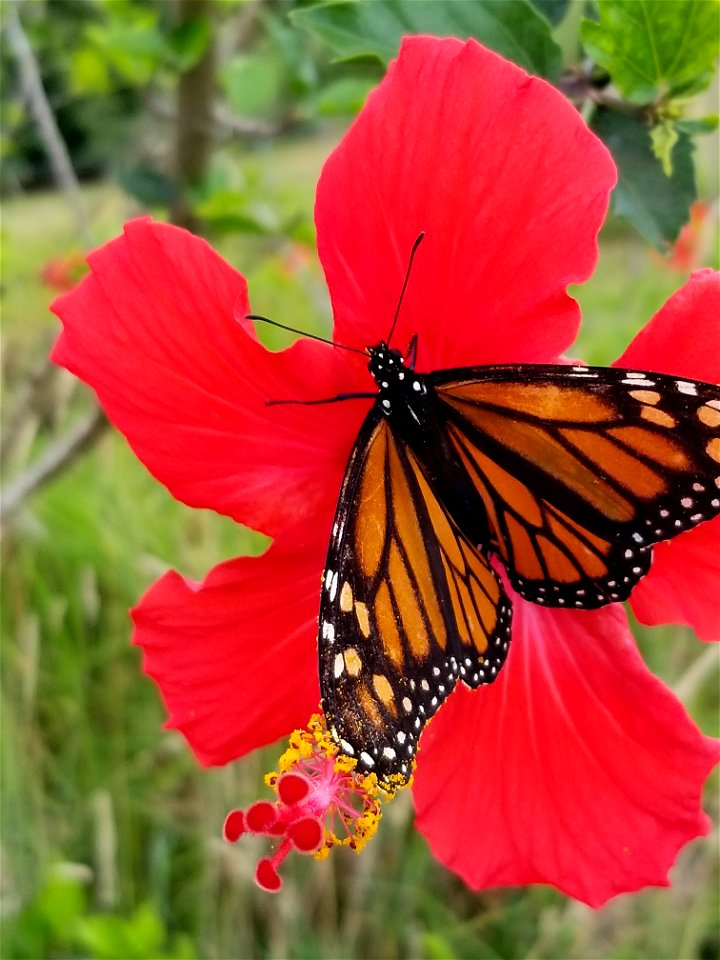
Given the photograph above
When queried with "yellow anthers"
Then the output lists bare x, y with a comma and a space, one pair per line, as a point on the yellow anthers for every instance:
322, 802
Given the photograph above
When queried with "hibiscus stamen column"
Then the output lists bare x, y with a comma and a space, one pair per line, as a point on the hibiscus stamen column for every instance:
321, 803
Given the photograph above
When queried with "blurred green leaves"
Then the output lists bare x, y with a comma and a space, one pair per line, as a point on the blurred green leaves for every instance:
189, 41
656, 205
655, 54
291, 64
252, 83
513, 28
131, 43
655, 49
57, 923
647, 56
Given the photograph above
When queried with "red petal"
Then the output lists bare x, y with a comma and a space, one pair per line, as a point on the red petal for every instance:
153, 331
682, 586
235, 657
509, 185
577, 768
683, 338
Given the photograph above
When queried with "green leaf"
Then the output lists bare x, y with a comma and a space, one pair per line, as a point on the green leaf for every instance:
699, 126
189, 41
655, 49
342, 98
553, 10
656, 205
252, 83
150, 187
88, 72
512, 28
234, 211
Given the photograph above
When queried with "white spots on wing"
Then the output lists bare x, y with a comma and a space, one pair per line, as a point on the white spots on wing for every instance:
638, 379
688, 388
331, 582
338, 665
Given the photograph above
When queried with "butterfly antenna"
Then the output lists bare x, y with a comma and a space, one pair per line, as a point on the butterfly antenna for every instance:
418, 241
303, 333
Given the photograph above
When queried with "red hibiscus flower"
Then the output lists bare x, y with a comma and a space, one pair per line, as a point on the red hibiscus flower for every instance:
577, 767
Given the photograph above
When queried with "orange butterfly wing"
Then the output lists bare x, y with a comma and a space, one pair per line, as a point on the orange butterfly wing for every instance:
408, 607
582, 469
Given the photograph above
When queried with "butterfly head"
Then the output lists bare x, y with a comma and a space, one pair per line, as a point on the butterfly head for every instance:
390, 372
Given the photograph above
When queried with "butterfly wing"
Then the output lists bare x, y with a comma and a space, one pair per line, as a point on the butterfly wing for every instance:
582, 469
408, 607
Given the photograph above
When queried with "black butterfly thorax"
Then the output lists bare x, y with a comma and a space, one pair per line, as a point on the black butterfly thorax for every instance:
414, 413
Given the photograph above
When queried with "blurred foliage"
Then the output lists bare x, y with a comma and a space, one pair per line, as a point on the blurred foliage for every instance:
648, 58
111, 833
57, 922
513, 28
111, 69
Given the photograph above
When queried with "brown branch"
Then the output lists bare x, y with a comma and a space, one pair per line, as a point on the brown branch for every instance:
39, 106
58, 455
193, 134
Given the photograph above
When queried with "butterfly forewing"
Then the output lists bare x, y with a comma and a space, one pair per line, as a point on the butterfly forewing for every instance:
409, 606
582, 469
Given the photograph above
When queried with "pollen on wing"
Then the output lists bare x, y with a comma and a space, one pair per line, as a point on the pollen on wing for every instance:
322, 801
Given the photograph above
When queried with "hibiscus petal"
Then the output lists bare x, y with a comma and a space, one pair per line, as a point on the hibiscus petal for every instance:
682, 586
235, 657
153, 331
576, 768
683, 339
508, 183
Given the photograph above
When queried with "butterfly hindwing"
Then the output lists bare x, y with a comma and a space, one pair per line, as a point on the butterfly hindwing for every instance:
582, 469
408, 607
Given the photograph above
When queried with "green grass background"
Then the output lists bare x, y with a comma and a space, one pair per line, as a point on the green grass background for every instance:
111, 833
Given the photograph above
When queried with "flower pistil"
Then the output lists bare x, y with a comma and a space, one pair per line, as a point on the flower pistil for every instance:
322, 802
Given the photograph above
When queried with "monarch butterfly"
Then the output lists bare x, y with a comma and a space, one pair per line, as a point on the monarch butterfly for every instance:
565, 474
